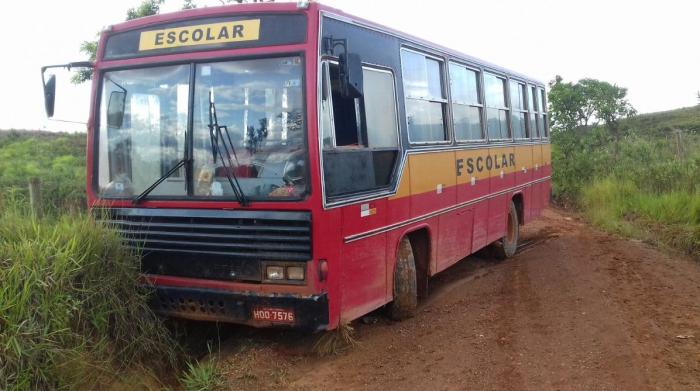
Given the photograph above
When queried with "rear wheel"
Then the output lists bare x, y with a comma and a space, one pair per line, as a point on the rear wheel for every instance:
509, 243
405, 301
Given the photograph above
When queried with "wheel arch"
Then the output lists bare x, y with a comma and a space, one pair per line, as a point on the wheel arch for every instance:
420, 238
518, 199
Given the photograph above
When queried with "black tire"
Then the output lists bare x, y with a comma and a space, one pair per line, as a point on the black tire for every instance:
508, 245
405, 302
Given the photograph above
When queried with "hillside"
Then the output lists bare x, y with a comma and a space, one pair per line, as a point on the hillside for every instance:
687, 119
57, 159
644, 182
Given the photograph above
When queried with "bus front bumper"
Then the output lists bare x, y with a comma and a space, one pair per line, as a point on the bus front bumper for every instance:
309, 313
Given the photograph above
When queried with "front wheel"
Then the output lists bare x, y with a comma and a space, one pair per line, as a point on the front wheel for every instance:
405, 302
509, 243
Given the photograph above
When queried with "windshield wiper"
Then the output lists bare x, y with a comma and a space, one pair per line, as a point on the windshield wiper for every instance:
160, 180
217, 137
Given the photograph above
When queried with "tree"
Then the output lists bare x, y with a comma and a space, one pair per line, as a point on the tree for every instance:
577, 104
566, 102
146, 8
608, 102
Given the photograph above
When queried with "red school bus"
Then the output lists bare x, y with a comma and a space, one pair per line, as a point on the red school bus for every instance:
290, 165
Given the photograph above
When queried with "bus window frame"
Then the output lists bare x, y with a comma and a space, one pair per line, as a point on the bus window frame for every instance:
379, 192
506, 78
533, 111
383, 69
524, 109
545, 113
480, 92
324, 81
189, 134
447, 111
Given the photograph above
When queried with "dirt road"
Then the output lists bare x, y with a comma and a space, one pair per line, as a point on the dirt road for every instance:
577, 310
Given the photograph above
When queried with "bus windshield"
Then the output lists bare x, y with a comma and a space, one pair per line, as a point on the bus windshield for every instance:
246, 122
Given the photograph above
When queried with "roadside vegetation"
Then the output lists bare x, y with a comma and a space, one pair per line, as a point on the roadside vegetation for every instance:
56, 159
636, 175
202, 376
71, 315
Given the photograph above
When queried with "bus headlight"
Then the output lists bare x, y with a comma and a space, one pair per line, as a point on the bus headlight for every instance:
295, 273
274, 273
284, 272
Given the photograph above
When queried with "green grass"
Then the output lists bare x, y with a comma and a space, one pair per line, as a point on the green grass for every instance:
202, 376
71, 315
644, 183
671, 219
57, 159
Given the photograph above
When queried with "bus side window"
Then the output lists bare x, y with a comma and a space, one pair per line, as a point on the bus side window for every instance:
496, 107
467, 105
360, 135
347, 113
543, 110
518, 95
381, 126
532, 107
426, 101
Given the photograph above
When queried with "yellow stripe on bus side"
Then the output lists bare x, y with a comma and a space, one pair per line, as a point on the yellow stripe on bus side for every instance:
425, 171
523, 157
472, 154
429, 170
504, 160
537, 155
404, 189
547, 154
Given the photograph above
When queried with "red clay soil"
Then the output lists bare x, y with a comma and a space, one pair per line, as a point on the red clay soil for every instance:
576, 310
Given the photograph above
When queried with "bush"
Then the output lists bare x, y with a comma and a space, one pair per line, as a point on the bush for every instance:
71, 315
644, 182
651, 163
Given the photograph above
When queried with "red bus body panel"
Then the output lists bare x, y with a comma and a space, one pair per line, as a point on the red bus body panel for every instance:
460, 213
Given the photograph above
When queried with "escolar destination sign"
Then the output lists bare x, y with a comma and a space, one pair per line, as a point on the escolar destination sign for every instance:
203, 34
214, 33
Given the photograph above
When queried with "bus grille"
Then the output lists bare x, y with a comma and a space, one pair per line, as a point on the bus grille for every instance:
213, 244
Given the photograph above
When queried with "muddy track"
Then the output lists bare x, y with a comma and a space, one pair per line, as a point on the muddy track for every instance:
575, 309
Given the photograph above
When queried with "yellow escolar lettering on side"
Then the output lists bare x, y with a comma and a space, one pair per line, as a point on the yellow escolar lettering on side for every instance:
205, 34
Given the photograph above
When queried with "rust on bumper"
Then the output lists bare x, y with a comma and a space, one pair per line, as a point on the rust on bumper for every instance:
310, 312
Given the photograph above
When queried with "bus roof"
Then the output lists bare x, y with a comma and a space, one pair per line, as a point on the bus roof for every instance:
285, 7
409, 37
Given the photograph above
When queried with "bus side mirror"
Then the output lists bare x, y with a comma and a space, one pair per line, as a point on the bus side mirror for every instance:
50, 95
115, 109
351, 75
50, 83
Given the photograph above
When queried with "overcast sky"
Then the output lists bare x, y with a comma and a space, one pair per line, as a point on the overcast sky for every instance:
649, 47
